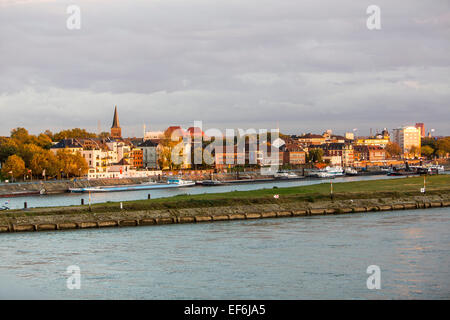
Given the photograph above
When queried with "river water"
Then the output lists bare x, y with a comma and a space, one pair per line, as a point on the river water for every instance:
324, 257
67, 199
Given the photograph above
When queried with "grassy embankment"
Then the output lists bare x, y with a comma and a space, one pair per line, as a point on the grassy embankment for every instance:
375, 189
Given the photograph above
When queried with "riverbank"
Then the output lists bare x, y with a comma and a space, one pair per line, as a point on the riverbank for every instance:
348, 197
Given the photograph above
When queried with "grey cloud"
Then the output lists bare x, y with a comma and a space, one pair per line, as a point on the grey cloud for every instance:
307, 65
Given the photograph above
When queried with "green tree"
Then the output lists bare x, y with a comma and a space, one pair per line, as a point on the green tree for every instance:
315, 155
443, 144
14, 166
427, 151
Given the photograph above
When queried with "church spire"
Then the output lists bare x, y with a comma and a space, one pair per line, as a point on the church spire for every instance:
116, 131
115, 119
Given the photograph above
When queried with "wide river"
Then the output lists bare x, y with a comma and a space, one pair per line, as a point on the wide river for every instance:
322, 257
68, 199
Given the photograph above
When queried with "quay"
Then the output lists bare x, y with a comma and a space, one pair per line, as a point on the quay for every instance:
361, 197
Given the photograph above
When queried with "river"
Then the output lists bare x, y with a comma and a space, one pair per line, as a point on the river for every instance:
68, 199
323, 257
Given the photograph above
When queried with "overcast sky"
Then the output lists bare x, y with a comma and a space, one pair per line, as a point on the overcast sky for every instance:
305, 65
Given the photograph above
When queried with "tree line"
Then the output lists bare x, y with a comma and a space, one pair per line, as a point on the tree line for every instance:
24, 156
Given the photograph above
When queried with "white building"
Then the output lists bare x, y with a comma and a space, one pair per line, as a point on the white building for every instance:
407, 138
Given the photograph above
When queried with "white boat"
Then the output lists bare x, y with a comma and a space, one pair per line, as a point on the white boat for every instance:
335, 171
350, 171
440, 169
285, 175
171, 183
325, 175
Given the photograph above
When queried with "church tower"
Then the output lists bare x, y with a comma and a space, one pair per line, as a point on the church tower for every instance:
116, 131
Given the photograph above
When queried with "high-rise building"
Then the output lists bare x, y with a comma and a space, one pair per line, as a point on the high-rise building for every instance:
116, 131
407, 138
421, 126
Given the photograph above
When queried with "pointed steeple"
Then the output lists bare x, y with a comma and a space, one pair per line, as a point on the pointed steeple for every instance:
115, 119
116, 131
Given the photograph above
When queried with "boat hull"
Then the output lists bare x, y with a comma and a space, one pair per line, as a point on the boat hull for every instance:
131, 188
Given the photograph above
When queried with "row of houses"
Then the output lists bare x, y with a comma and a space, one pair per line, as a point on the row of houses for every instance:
132, 157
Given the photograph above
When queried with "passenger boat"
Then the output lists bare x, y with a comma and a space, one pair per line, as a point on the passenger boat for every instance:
285, 175
351, 172
171, 183
211, 183
325, 175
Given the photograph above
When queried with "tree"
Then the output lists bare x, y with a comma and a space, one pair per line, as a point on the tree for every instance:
47, 161
443, 144
72, 165
427, 151
44, 141
315, 155
14, 166
7, 148
104, 135
26, 152
393, 150
75, 133
20, 135
414, 151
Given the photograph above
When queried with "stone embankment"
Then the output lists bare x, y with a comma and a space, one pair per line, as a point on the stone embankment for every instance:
124, 218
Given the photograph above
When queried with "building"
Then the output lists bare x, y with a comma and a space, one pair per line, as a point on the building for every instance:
71, 145
343, 150
408, 138
421, 126
311, 139
294, 155
149, 154
116, 131
137, 158
369, 153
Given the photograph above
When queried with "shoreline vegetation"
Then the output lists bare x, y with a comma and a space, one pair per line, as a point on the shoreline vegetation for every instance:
348, 197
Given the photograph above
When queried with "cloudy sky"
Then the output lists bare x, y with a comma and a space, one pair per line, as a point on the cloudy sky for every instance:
303, 65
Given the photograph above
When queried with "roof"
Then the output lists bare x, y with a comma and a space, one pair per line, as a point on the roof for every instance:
67, 143
148, 143
311, 136
115, 119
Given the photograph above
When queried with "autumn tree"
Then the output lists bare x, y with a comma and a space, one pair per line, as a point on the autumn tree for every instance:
72, 165
75, 133
7, 148
443, 145
427, 151
414, 151
47, 161
20, 135
14, 166
393, 150
26, 152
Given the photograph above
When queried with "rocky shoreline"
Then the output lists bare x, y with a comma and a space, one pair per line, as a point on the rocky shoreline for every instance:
124, 218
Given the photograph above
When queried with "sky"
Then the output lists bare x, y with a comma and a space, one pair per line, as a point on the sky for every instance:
302, 66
